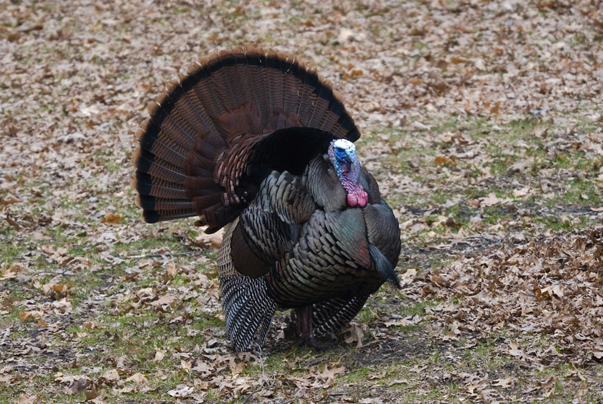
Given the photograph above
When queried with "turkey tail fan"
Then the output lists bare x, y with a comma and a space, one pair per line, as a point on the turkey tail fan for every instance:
194, 147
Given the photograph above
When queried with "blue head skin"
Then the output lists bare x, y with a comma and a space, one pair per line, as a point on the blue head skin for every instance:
342, 154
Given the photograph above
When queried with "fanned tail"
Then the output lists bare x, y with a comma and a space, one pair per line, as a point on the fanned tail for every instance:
195, 146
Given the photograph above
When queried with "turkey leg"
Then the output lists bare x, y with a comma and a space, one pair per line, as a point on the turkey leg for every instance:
304, 328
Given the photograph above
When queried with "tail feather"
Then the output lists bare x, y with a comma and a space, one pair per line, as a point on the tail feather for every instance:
150, 203
247, 307
233, 296
331, 315
248, 310
156, 188
201, 202
173, 131
155, 168
162, 148
205, 125
384, 267
273, 78
305, 103
199, 166
197, 104
152, 216
204, 90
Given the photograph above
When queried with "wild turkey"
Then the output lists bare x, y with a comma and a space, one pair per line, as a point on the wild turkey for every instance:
254, 140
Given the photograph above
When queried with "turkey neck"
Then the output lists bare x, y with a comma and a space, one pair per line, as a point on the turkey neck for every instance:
342, 154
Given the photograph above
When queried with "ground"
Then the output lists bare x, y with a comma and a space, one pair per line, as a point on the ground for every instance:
481, 120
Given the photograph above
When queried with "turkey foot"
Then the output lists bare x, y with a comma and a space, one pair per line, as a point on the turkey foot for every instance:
304, 329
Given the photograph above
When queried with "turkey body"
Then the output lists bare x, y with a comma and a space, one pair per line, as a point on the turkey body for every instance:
254, 141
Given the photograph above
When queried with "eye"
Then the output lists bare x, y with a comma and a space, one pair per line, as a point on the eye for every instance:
339, 150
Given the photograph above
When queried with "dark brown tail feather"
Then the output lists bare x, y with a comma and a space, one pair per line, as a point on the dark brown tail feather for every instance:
195, 146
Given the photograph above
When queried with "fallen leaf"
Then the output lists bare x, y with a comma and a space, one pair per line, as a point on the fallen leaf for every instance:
171, 270
556, 290
356, 334
181, 391
201, 385
158, 356
167, 300
403, 322
519, 166
504, 383
491, 200
407, 277
444, 160
112, 218
137, 378
417, 369
212, 241
27, 399
91, 394
111, 375
78, 386
518, 193
328, 375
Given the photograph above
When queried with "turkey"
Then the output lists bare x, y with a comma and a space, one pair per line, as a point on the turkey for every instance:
254, 141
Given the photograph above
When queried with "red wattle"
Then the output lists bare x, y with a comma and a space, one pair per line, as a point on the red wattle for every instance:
362, 199
352, 200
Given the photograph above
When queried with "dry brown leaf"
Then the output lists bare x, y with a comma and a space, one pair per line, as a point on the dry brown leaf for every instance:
201, 385
212, 241
444, 160
13, 270
91, 394
556, 290
27, 399
403, 322
491, 200
407, 277
164, 300
417, 368
505, 383
519, 193
12, 222
203, 368
171, 270
181, 391
328, 375
30, 314
137, 378
514, 349
9, 199
159, 355
111, 375
474, 203
112, 218
356, 334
